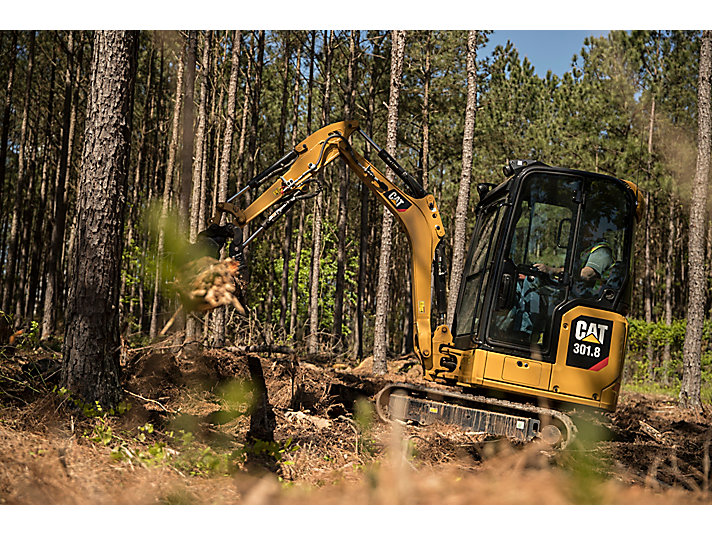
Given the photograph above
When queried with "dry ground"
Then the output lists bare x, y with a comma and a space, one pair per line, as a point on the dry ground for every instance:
329, 449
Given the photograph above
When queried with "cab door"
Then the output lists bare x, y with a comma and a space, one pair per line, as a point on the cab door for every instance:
535, 265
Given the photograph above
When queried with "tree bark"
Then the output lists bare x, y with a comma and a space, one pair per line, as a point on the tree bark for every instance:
5, 134
364, 227
52, 292
425, 147
302, 215
256, 91
197, 179
669, 267
90, 369
197, 196
463, 196
692, 351
39, 220
288, 227
186, 172
383, 286
166, 200
313, 340
342, 207
225, 161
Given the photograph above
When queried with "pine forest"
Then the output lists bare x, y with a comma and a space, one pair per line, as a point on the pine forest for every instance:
117, 150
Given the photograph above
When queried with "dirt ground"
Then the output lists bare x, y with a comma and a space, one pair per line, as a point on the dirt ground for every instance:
187, 436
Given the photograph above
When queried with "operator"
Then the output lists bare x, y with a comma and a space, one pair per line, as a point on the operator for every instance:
596, 260
531, 309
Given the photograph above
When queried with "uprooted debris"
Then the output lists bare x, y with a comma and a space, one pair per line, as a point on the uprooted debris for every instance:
206, 283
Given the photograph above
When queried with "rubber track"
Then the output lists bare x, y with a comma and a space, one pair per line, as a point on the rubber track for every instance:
381, 402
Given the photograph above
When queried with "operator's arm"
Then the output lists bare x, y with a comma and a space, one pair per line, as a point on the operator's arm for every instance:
598, 261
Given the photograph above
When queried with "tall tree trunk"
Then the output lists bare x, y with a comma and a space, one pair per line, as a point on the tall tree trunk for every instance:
135, 197
425, 110
288, 233
52, 289
39, 220
197, 192
302, 214
72, 178
253, 137
383, 287
187, 151
647, 279
200, 140
364, 226
463, 196
287, 238
90, 368
313, 340
692, 352
9, 293
647, 274
5, 134
225, 161
186, 171
669, 266
240, 158
165, 203
341, 220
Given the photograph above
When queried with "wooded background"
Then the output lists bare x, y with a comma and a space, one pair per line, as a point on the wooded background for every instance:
210, 109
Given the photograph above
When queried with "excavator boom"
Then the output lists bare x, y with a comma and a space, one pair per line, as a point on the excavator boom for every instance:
416, 210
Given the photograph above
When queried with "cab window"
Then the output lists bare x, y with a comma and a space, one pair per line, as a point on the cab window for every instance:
600, 248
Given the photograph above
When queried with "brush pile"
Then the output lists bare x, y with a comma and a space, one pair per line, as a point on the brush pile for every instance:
206, 283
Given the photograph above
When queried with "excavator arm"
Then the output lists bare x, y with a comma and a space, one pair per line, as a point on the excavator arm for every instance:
296, 172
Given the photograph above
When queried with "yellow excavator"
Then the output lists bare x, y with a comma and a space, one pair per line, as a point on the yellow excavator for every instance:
540, 324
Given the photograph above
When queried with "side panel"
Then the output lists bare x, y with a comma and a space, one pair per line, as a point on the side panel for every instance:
590, 355
514, 370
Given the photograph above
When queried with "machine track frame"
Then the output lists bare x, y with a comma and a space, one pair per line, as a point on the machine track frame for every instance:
497, 417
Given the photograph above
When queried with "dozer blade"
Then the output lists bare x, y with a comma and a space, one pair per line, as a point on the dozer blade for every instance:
496, 417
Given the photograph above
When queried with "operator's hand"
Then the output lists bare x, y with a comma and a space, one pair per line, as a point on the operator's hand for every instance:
588, 274
543, 268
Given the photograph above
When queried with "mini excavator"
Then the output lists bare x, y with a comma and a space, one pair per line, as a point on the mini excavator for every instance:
539, 327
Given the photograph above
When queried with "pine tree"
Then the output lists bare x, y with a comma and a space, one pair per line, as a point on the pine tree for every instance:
691, 372
383, 286
90, 368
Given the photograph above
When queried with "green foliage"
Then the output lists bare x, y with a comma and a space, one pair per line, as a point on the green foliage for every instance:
147, 446
658, 334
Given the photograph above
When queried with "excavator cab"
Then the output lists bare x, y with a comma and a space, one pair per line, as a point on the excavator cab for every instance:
547, 284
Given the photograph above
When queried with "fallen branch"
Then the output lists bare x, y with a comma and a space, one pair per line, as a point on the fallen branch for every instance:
171, 321
150, 400
653, 433
280, 349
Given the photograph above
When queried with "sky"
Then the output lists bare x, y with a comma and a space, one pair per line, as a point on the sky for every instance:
546, 49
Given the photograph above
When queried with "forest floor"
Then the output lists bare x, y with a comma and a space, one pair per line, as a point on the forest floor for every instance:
182, 438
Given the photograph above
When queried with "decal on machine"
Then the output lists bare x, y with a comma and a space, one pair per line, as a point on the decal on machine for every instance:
589, 343
397, 200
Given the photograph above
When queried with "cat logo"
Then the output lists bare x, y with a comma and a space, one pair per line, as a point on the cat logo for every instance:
398, 201
589, 343
590, 332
